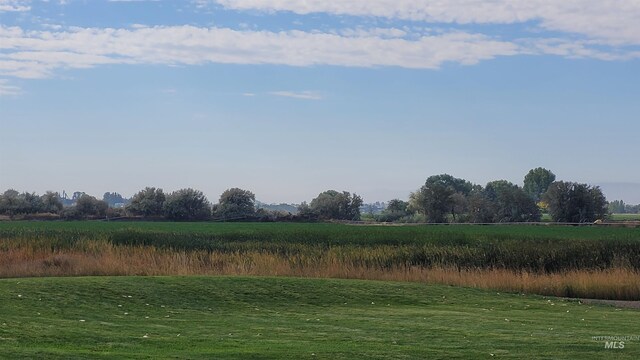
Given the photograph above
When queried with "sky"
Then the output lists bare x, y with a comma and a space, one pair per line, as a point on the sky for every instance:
289, 98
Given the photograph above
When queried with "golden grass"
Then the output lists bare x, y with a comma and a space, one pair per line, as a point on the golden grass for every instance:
28, 259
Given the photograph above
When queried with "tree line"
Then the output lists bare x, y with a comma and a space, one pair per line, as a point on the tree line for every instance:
442, 199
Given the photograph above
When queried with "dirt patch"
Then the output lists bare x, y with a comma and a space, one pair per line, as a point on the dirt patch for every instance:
616, 303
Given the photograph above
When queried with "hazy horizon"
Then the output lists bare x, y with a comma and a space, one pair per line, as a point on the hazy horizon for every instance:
288, 99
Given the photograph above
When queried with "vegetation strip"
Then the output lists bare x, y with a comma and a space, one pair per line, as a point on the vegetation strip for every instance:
562, 261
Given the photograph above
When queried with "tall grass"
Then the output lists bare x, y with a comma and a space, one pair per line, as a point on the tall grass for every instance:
104, 258
575, 262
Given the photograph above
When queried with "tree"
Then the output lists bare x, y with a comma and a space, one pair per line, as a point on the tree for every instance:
31, 203
87, 205
617, 207
236, 204
510, 203
335, 205
396, 209
51, 202
114, 199
574, 202
187, 205
481, 209
147, 202
10, 202
435, 199
537, 181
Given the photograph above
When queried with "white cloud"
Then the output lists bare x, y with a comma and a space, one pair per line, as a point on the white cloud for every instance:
8, 90
306, 95
14, 5
40, 53
37, 54
613, 21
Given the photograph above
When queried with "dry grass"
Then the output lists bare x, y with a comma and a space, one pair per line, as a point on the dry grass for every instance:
28, 259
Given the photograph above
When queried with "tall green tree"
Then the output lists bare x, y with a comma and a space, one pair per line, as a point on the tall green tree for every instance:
51, 202
436, 199
87, 205
147, 202
336, 205
510, 203
537, 181
187, 205
11, 203
575, 203
617, 207
236, 204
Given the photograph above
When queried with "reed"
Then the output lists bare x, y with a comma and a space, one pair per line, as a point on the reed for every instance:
29, 258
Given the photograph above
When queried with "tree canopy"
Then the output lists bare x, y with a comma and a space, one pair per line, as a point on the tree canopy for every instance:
147, 202
537, 181
236, 204
332, 204
187, 205
574, 202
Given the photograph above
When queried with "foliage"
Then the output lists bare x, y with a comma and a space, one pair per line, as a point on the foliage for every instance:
114, 199
87, 205
236, 204
439, 196
335, 205
51, 202
619, 207
13, 203
574, 202
510, 203
147, 202
187, 205
537, 181
396, 210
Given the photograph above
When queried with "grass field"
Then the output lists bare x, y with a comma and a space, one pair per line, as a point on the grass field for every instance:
276, 318
625, 217
599, 262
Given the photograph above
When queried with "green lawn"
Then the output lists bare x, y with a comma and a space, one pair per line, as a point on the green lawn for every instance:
232, 317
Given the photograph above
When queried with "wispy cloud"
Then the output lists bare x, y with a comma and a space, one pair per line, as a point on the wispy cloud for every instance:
37, 54
14, 5
613, 21
305, 95
7, 89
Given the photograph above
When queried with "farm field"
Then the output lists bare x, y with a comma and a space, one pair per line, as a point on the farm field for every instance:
625, 217
589, 262
266, 317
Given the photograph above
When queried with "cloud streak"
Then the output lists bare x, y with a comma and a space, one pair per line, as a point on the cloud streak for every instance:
14, 5
37, 54
611, 21
304, 95
8, 90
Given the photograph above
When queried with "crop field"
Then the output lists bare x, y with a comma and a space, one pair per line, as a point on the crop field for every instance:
292, 318
588, 262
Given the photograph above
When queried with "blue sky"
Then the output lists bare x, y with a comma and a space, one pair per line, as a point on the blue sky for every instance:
290, 98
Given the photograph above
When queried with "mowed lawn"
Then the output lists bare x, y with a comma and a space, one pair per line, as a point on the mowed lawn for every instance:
249, 317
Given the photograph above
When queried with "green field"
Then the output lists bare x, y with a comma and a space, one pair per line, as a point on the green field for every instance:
625, 217
239, 317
